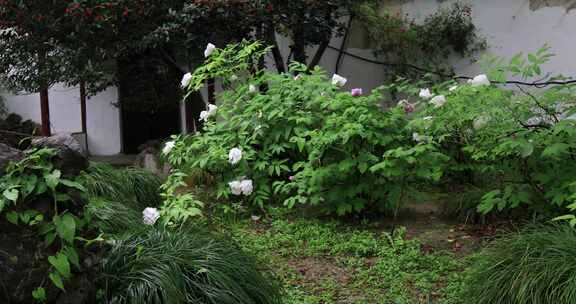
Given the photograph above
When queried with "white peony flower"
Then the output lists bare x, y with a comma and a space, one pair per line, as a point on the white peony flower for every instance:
247, 187
420, 138
168, 147
479, 80
212, 109
425, 93
210, 48
150, 216
186, 80
234, 156
233, 78
416, 137
252, 89
480, 122
438, 101
339, 80
204, 115
453, 88
235, 187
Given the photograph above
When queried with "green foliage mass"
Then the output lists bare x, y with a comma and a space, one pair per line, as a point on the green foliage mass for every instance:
303, 140
35, 179
518, 144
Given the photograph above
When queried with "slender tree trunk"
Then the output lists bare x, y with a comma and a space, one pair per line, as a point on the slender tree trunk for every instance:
45, 111
299, 46
319, 53
44, 102
278, 58
83, 106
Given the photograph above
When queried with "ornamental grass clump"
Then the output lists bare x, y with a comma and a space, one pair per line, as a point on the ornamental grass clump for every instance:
177, 267
534, 266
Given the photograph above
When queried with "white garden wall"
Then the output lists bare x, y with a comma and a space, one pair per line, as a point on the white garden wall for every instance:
510, 26
102, 121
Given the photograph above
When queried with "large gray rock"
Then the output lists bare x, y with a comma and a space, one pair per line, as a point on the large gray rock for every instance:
8, 154
58, 141
70, 159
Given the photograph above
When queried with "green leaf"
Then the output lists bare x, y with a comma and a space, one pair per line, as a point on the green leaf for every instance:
362, 167
61, 197
555, 150
40, 188
29, 184
65, 227
53, 179
526, 149
39, 294
516, 60
72, 255
12, 217
11, 194
564, 217
72, 184
57, 280
49, 238
61, 263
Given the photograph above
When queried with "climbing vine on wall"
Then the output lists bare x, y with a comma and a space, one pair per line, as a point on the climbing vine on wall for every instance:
428, 44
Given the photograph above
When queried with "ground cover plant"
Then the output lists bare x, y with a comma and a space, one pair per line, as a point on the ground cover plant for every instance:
326, 261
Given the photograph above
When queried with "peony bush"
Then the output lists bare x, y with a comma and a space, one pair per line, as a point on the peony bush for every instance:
299, 139
296, 140
517, 143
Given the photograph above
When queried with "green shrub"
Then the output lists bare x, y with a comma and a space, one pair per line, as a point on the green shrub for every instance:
303, 141
535, 266
517, 145
160, 267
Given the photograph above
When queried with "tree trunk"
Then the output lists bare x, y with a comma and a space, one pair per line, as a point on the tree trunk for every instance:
83, 106
299, 46
319, 53
44, 102
45, 111
278, 58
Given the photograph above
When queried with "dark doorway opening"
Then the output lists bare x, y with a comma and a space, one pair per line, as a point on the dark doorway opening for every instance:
149, 100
